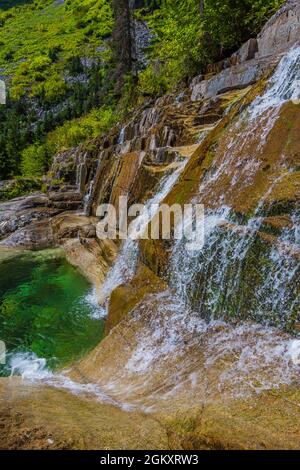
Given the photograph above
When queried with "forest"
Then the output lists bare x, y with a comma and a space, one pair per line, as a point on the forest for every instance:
72, 71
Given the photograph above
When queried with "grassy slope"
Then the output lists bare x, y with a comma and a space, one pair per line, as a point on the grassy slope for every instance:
39, 41
38, 38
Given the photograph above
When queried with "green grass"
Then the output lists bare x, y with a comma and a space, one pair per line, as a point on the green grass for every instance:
54, 57
37, 39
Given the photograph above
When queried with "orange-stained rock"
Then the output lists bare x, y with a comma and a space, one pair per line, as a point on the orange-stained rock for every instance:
125, 297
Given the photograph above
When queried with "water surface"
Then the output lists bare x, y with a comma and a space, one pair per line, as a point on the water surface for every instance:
47, 308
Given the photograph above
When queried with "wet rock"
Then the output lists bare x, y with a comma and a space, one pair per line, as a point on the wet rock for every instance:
36, 236
72, 225
45, 418
20, 212
92, 257
126, 297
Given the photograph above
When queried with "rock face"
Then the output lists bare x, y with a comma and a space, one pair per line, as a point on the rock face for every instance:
281, 32
256, 57
52, 419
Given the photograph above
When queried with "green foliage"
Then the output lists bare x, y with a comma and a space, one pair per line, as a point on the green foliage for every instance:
40, 37
60, 70
153, 82
74, 132
54, 58
19, 187
190, 34
33, 160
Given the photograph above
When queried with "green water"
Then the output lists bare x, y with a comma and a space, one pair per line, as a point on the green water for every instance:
45, 308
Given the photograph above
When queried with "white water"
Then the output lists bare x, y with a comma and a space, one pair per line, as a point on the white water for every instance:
121, 139
125, 265
34, 370
238, 360
211, 280
239, 161
283, 86
87, 198
246, 358
92, 299
209, 284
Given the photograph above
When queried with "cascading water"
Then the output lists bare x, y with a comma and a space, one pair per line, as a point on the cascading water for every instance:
225, 279
125, 265
239, 163
183, 342
87, 198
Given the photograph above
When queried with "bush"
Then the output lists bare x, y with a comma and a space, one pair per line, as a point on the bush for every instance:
19, 187
34, 160
190, 34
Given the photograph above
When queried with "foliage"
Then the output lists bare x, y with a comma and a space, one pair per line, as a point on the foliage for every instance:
67, 83
36, 158
53, 56
19, 187
190, 34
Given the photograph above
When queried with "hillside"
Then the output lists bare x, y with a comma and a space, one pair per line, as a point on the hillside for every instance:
73, 69
52, 57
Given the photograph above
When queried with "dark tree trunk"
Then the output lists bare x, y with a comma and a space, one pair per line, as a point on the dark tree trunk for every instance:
123, 40
201, 7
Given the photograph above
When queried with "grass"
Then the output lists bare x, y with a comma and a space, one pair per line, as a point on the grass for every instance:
37, 39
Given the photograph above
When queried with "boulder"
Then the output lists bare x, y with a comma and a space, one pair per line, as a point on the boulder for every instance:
36, 236
238, 77
281, 32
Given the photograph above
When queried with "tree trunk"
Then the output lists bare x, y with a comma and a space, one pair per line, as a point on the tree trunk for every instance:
201, 7
122, 40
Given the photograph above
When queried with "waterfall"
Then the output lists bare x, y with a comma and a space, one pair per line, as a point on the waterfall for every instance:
121, 138
237, 276
215, 281
81, 172
87, 198
238, 163
33, 369
225, 279
125, 265
201, 334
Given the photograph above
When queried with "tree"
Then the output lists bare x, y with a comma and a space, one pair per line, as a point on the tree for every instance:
122, 41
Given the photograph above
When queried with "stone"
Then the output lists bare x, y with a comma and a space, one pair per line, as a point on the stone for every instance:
234, 78
36, 236
125, 297
255, 57
247, 51
281, 32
